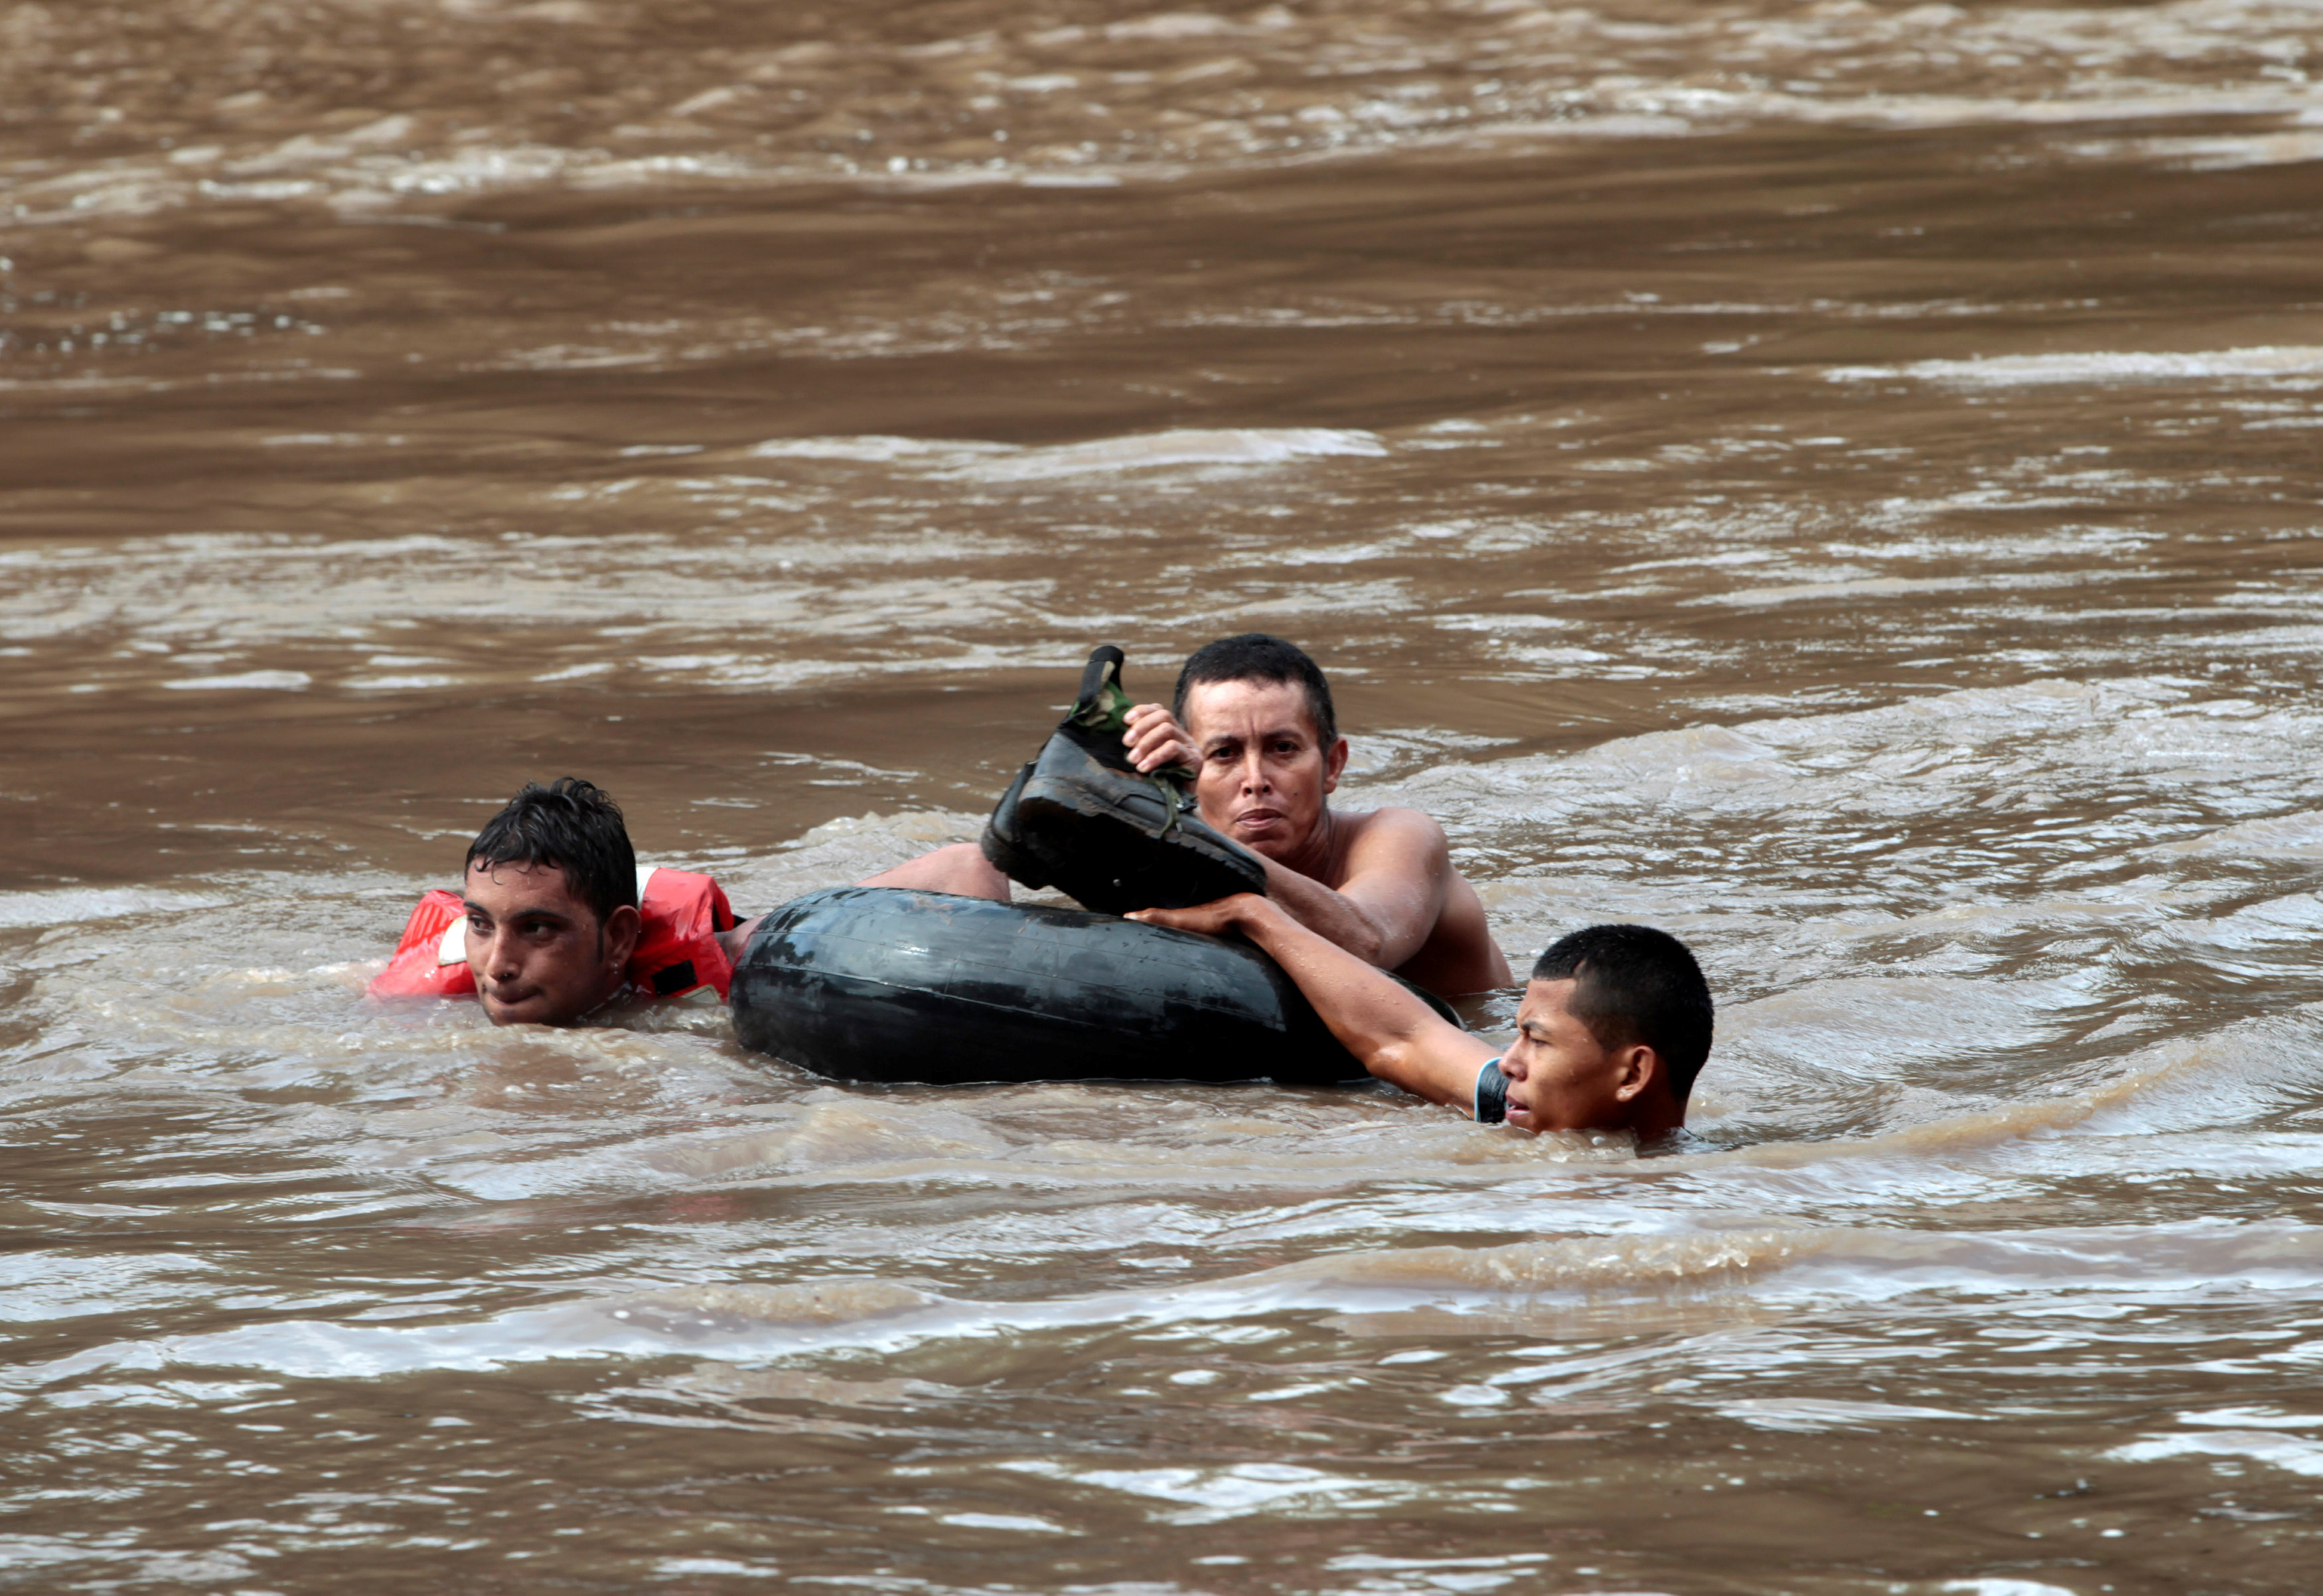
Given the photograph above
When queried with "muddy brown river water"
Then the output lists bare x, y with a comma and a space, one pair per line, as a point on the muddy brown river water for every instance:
1839, 481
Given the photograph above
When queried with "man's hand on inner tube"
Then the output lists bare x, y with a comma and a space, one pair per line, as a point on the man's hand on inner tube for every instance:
1400, 1038
1216, 918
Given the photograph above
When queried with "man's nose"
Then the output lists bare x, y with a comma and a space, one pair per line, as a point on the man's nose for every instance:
1254, 773
500, 955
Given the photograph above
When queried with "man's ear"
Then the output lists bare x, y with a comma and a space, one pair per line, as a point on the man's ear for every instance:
1334, 762
1635, 1069
623, 926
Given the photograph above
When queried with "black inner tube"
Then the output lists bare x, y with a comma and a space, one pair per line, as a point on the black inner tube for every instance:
889, 985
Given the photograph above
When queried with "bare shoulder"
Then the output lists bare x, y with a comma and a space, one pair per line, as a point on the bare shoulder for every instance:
1401, 857
1382, 832
1390, 851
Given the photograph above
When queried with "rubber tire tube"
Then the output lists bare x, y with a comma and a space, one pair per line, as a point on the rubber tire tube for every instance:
893, 986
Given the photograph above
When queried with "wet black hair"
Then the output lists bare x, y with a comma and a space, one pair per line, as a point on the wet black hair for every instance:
1256, 657
1633, 984
573, 825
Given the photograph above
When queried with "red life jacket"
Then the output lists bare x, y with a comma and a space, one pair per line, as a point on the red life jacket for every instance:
677, 953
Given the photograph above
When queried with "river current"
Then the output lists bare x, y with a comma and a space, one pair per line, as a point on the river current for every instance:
1839, 482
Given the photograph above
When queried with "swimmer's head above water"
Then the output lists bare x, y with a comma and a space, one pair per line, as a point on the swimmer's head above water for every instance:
551, 894
1615, 1026
1258, 712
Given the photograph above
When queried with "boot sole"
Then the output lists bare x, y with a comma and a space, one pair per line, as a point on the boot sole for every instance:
1110, 858
999, 845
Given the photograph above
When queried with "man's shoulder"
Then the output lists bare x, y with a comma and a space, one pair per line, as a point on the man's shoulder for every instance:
1385, 842
1393, 826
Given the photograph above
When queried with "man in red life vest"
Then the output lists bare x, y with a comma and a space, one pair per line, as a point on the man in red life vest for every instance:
555, 924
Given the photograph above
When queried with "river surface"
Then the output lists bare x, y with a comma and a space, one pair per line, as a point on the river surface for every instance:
1839, 481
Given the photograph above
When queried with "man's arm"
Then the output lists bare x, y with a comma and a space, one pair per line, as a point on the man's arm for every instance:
733, 942
1398, 1038
1390, 893
960, 869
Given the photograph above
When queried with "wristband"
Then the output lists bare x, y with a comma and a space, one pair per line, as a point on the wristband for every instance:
1492, 1101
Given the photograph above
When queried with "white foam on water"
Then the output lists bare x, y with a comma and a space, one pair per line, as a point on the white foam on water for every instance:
409, 684
1249, 446
1812, 1415
877, 449
2294, 1453
2289, 835
2214, 153
1005, 463
2253, 1418
1212, 1495
248, 681
75, 905
2262, 362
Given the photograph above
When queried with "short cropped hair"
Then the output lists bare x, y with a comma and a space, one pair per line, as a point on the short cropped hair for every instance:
1256, 657
573, 825
1633, 984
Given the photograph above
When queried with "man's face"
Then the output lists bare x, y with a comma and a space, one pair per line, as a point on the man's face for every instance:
1560, 1078
540, 956
1264, 773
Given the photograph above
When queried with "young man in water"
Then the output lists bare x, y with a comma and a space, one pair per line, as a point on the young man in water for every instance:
557, 925
1253, 718
1255, 724
1614, 1027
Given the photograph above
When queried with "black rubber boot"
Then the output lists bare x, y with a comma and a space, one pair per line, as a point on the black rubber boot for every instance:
1002, 848
1083, 819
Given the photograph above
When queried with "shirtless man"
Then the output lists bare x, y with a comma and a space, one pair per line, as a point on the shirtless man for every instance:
1253, 718
1254, 725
